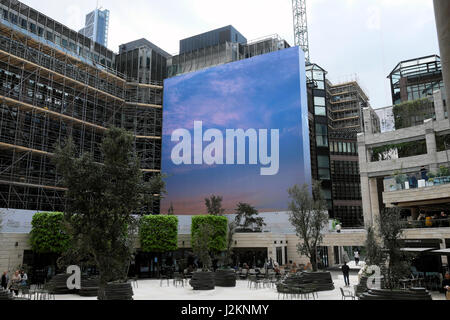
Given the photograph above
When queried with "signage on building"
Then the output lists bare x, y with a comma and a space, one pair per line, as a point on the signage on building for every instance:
239, 131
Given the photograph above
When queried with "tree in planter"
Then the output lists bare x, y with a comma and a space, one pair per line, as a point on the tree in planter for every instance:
230, 242
398, 263
246, 217
308, 215
214, 205
200, 246
101, 200
158, 234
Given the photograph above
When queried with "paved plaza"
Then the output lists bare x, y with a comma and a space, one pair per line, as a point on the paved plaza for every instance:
155, 290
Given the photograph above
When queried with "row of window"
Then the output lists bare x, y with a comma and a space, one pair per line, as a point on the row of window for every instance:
340, 147
345, 168
350, 217
424, 90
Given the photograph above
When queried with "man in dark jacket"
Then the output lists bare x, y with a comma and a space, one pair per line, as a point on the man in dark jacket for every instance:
346, 272
4, 280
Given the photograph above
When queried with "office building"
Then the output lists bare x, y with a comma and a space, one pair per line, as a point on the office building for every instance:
96, 26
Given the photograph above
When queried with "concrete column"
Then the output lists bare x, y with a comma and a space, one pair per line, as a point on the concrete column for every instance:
283, 254
374, 201
331, 261
366, 201
368, 128
444, 258
430, 137
439, 105
442, 14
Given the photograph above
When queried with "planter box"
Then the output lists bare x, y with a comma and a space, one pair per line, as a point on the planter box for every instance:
417, 294
116, 291
225, 278
203, 281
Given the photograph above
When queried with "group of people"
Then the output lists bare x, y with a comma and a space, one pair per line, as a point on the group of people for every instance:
13, 283
435, 221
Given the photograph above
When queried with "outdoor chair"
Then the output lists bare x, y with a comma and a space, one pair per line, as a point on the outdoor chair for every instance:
347, 294
244, 274
178, 279
164, 277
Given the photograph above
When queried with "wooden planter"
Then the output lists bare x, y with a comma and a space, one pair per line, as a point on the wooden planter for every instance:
308, 281
203, 281
58, 285
5, 295
116, 291
225, 278
89, 287
386, 294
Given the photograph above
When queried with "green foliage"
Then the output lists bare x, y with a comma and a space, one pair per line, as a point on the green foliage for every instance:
200, 245
48, 234
102, 200
398, 262
443, 142
214, 205
230, 242
159, 233
405, 149
217, 225
443, 172
410, 113
374, 253
308, 214
246, 217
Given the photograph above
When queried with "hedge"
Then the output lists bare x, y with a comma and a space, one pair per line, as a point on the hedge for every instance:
47, 233
158, 233
218, 226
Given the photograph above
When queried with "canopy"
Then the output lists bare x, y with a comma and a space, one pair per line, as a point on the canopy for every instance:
417, 250
442, 251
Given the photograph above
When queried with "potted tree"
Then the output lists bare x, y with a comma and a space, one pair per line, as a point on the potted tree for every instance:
208, 237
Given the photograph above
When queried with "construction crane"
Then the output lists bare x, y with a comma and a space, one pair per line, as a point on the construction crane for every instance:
301, 26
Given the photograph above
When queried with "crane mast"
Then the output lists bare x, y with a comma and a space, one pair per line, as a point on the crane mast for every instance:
301, 26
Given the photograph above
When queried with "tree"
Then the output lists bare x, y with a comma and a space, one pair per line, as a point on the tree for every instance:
201, 248
398, 263
308, 214
171, 211
246, 217
374, 252
214, 205
230, 242
102, 200
208, 237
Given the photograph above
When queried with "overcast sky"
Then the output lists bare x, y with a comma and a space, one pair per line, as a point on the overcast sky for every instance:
366, 38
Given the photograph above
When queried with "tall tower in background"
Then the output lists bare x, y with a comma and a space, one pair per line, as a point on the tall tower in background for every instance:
301, 26
96, 26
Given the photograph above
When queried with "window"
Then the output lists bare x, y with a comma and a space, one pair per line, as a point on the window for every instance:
321, 135
323, 162
319, 101
320, 111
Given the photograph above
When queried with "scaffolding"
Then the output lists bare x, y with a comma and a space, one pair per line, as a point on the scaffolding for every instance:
48, 95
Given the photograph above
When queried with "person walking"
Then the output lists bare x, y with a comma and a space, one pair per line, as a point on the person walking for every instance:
356, 254
346, 273
5, 280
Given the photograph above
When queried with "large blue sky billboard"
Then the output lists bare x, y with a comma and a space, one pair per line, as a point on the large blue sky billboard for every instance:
239, 131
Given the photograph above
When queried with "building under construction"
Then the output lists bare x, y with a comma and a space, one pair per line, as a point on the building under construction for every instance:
345, 111
56, 83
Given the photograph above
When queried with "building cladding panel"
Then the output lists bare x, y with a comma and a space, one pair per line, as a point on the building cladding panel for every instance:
212, 38
48, 94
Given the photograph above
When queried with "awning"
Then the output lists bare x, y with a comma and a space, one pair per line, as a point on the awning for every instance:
442, 251
417, 250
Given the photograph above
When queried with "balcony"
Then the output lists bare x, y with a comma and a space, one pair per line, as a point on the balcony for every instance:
417, 190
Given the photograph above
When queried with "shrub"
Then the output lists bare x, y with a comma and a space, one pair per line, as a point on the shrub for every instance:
218, 231
48, 234
159, 233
